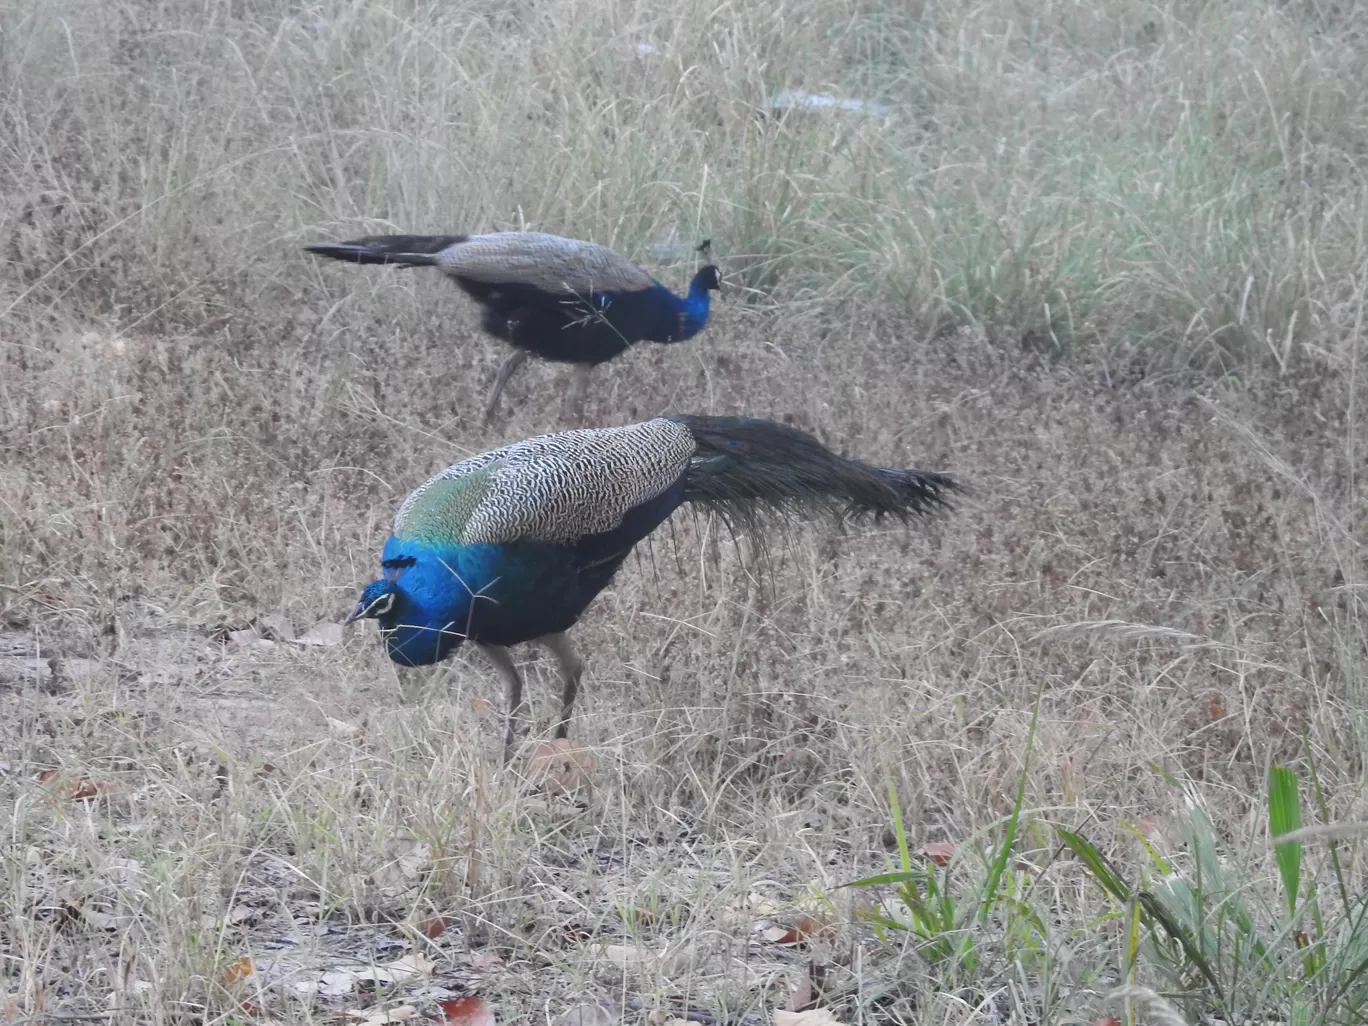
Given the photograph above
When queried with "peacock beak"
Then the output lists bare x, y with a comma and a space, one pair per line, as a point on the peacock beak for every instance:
358, 611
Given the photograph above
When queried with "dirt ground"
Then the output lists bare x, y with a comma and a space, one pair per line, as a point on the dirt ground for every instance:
212, 822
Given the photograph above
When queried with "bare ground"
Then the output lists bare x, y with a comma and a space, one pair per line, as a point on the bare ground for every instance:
1173, 571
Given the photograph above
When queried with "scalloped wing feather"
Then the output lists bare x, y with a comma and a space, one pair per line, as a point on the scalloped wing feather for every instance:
552, 488
547, 262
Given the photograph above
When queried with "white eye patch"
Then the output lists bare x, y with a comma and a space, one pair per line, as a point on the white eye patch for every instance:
380, 606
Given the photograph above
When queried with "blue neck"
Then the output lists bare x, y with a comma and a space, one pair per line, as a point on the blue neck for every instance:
693, 308
429, 620
501, 594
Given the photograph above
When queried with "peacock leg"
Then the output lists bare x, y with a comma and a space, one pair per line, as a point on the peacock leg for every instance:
514, 361
571, 668
513, 707
579, 385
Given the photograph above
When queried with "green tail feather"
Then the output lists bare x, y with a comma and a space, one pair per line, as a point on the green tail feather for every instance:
748, 471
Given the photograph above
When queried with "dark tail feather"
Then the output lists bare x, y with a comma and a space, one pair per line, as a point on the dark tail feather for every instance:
403, 250
744, 468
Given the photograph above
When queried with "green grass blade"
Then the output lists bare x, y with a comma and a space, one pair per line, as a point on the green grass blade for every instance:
1284, 816
883, 880
1004, 852
1102, 871
1157, 911
899, 831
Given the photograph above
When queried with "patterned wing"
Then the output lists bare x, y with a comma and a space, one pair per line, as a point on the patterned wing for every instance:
439, 508
547, 262
552, 488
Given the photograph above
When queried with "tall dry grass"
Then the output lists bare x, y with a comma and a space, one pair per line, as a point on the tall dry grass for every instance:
201, 426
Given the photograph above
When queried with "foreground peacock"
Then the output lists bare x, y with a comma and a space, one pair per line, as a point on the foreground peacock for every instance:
564, 300
514, 544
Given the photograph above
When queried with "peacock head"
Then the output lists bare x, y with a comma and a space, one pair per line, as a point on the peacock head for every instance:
708, 279
377, 601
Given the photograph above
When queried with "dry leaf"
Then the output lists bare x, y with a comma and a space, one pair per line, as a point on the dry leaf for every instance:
815, 1017
325, 632
244, 638
239, 970
341, 728
1110, 1020
276, 627
631, 956
467, 1011
384, 1016
484, 961
801, 996
482, 706
806, 929
79, 789
434, 926
405, 867
561, 767
939, 852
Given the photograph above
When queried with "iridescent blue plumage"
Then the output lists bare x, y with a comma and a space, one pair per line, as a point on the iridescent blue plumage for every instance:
561, 299
514, 544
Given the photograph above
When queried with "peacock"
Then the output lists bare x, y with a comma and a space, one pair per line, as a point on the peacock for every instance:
513, 545
564, 300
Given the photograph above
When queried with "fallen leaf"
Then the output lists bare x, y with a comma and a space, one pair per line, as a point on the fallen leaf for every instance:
484, 961
1215, 710
239, 970
939, 852
815, 1017
628, 956
325, 632
561, 767
806, 929
404, 869
434, 926
79, 789
482, 706
801, 996
1110, 1020
383, 1016
244, 638
470, 1010
341, 728
334, 983
276, 627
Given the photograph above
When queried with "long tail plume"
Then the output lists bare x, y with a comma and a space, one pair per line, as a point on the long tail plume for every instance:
744, 469
402, 250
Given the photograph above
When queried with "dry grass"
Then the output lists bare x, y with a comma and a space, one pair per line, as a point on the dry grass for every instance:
201, 427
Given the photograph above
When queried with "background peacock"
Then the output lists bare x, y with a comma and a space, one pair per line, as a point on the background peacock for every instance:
564, 300
512, 545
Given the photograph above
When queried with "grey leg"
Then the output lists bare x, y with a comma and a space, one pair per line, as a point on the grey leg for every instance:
514, 707
579, 385
516, 360
571, 668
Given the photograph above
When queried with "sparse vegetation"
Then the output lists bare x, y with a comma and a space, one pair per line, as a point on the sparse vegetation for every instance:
1104, 261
